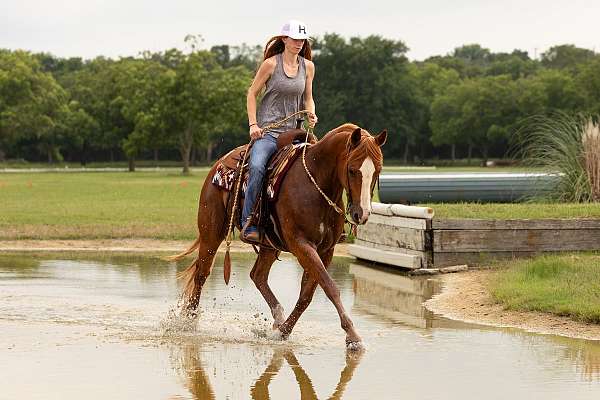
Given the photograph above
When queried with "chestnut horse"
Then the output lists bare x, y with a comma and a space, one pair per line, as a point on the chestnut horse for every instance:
347, 158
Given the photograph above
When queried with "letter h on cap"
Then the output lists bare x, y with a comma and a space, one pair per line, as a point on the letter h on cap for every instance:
301, 29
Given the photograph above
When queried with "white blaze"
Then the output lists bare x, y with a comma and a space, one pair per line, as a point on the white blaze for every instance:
366, 169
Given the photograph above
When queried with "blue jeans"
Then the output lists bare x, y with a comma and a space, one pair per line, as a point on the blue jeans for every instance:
260, 153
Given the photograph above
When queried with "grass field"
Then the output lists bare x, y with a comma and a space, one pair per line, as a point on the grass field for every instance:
99, 205
567, 285
515, 210
161, 204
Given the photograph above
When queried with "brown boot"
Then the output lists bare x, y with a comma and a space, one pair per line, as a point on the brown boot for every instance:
250, 233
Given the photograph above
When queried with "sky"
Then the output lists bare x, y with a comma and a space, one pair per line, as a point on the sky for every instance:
114, 28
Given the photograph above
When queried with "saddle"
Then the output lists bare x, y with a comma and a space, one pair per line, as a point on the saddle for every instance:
289, 147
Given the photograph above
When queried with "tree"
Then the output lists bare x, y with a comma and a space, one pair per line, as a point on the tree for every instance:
560, 90
368, 82
203, 100
432, 81
587, 83
469, 60
517, 65
478, 112
473, 54
31, 102
565, 56
140, 87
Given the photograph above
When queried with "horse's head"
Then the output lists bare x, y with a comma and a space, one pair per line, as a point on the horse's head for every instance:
362, 171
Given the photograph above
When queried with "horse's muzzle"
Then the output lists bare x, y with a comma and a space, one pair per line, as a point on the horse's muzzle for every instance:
359, 216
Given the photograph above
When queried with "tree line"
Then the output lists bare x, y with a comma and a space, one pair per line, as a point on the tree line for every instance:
191, 105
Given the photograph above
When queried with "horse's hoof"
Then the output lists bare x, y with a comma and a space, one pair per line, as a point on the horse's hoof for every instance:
189, 315
355, 346
278, 335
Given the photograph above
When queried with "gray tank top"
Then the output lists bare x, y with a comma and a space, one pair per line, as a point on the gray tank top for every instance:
283, 96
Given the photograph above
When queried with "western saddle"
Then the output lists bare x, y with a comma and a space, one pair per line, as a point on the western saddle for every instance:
289, 147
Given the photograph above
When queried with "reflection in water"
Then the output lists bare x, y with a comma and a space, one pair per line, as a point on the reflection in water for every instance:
585, 355
188, 364
588, 357
394, 296
397, 297
189, 367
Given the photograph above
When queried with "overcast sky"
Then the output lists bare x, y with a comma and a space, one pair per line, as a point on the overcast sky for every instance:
113, 28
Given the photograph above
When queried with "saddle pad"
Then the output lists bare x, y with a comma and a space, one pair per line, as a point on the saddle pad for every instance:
277, 167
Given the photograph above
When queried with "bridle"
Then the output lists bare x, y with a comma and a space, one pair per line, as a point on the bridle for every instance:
353, 225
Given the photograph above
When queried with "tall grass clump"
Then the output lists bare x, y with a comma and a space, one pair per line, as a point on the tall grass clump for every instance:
569, 146
591, 157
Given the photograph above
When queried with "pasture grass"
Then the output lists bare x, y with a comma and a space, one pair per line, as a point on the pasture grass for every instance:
163, 205
527, 210
99, 205
566, 285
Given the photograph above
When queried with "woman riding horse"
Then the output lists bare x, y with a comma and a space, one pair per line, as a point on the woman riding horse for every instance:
309, 212
286, 73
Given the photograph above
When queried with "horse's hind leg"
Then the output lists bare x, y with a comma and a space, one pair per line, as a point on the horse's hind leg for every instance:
211, 232
195, 277
260, 277
307, 290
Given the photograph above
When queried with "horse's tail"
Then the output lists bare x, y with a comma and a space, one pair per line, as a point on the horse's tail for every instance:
179, 256
188, 276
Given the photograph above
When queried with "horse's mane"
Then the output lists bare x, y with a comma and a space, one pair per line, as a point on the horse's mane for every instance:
366, 147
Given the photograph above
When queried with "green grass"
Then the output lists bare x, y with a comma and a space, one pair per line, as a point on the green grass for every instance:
425, 169
99, 205
566, 285
24, 165
515, 210
162, 205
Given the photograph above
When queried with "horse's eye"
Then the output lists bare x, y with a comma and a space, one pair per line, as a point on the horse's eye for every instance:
352, 172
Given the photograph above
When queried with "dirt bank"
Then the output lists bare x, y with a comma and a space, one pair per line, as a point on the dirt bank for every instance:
465, 297
122, 245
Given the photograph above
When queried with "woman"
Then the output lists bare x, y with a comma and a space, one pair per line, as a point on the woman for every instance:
286, 74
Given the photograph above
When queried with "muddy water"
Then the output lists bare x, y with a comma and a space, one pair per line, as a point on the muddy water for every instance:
93, 327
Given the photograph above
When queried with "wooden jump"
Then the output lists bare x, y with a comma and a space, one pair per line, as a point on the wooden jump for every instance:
410, 237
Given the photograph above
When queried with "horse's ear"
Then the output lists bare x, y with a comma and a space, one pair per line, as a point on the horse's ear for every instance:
355, 138
381, 138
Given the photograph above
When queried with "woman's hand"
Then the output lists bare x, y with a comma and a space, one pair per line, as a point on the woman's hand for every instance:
255, 132
312, 120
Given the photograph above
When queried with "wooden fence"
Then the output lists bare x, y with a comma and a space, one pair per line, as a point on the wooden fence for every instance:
427, 242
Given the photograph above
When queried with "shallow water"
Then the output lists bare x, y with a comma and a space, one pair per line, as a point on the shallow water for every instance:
96, 327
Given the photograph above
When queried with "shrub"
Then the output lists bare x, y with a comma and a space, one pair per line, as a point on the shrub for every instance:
568, 145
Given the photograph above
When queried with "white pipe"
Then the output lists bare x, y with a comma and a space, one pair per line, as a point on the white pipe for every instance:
401, 210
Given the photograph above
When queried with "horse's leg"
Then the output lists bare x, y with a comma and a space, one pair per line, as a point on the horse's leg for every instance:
260, 277
211, 232
195, 276
307, 290
310, 261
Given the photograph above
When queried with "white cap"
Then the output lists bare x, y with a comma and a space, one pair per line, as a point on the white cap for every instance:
295, 29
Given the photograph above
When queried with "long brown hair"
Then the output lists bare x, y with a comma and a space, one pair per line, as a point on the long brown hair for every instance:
275, 45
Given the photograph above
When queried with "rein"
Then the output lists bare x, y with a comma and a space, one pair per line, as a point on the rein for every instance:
329, 201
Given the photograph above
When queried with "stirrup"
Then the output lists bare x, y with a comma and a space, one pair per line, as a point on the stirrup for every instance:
250, 240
